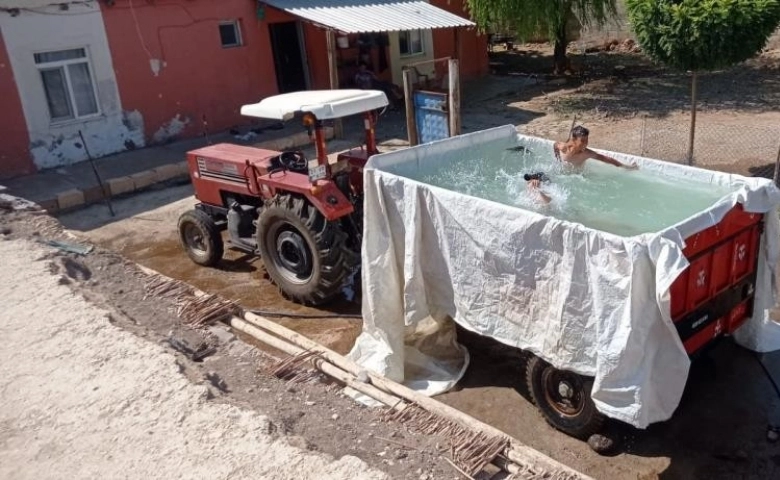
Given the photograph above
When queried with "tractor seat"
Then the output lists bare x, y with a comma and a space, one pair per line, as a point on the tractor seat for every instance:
294, 161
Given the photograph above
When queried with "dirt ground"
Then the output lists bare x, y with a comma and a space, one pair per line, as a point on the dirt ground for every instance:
720, 429
264, 427
83, 398
634, 106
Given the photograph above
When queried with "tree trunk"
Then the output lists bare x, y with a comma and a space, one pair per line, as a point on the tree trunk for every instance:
559, 53
692, 137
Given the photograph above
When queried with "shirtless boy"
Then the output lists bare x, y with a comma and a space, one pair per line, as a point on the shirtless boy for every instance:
534, 182
575, 151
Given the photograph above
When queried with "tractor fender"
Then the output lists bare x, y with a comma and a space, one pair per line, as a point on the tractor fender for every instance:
329, 200
324, 195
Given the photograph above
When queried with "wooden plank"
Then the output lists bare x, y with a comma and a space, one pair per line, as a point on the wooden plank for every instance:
411, 124
454, 97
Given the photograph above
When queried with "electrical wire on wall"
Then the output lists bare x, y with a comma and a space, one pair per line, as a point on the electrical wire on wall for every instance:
140, 35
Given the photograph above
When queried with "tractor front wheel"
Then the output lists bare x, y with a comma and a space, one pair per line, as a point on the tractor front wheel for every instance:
201, 238
304, 254
563, 398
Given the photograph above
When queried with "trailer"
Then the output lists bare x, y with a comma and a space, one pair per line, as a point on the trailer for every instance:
612, 321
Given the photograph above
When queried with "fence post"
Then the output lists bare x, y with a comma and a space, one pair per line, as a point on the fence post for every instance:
333, 74
454, 70
777, 168
411, 124
692, 137
642, 137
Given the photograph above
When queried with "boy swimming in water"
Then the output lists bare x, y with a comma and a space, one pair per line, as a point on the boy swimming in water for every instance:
575, 151
534, 183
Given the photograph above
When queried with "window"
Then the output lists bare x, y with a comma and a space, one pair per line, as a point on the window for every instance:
411, 42
230, 34
67, 81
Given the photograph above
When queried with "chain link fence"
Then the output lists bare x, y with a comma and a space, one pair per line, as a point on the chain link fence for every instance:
716, 144
735, 147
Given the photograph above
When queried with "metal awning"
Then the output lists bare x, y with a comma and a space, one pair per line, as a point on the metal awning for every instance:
324, 104
363, 16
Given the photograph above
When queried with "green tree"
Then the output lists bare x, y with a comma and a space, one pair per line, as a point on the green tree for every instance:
702, 35
553, 19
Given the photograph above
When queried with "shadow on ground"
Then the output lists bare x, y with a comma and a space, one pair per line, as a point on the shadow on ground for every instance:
717, 432
627, 83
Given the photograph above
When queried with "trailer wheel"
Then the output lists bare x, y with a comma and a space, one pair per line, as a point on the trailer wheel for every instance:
200, 237
304, 254
563, 398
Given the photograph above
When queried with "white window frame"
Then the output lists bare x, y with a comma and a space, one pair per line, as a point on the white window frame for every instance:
409, 43
62, 65
236, 24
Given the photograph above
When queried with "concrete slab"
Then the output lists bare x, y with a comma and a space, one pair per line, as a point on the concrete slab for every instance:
120, 185
167, 172
144, 178
70, 199
95, 193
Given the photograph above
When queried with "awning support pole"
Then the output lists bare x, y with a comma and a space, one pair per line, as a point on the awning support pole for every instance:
333, 70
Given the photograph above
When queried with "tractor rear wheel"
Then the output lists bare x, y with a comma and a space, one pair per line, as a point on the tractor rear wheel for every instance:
304, 254
201, 238
563, 398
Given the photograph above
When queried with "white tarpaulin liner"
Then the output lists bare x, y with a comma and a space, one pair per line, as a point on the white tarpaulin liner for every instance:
583, 300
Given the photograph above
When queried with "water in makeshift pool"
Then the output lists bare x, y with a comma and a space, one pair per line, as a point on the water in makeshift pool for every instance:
599, 195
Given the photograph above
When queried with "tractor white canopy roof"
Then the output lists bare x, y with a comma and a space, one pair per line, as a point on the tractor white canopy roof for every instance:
323, 104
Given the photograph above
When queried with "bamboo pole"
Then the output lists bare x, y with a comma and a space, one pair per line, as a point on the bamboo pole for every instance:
517, 452
325, 367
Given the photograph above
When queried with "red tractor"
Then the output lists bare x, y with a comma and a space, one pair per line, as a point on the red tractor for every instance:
303, 216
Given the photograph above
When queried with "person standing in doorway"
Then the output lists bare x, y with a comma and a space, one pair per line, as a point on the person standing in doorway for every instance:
367, 80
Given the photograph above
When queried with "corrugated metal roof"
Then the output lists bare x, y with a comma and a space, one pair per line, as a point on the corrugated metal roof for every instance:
359, 16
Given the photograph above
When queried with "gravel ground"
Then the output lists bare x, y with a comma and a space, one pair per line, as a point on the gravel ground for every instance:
85, 399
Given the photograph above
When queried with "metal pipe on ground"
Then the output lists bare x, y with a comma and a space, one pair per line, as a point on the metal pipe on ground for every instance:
517, 452
347, 378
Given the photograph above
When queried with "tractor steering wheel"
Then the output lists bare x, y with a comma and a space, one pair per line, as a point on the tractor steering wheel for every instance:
293, 160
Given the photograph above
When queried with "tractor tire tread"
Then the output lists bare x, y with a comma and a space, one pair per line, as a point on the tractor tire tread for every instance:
215, 247
335, 260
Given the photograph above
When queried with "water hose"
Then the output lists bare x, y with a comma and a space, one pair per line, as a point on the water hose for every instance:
268, 313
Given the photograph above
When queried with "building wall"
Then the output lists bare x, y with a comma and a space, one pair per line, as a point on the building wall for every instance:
172, 68
316, 56
397, 62
15, 156
473, 51
49, 29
